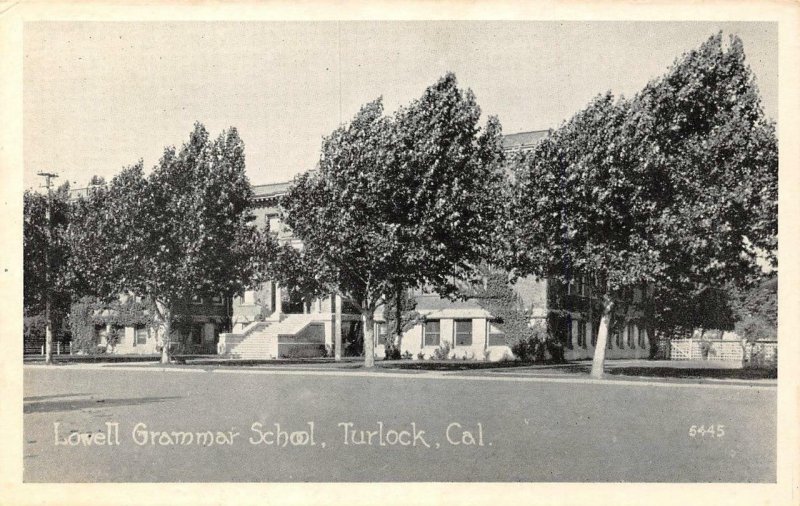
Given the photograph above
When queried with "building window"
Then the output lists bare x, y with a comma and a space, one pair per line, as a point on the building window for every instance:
581, 333
569, 332
496, 335
432, 333
595, 331
381, 330
619, 340
140, 335
196, 299
642, 338
610, 338
463, 330
273, 223
216, 300
631, 342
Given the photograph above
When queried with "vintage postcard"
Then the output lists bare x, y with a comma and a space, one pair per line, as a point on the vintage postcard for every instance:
440, 254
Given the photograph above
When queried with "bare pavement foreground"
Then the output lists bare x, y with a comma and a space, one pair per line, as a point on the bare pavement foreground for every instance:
146, 423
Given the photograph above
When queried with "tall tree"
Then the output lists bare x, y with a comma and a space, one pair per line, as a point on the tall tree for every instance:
46, 254
401, 202
184, 230
673, 190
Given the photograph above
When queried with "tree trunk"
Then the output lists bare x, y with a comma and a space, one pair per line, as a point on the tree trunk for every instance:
165, 312
369, 338
337, 328
598, 362
398, 339
165, 347
650, 324
48, 332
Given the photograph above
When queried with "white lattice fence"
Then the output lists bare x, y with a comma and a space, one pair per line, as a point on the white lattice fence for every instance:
725, 351
680, 349
697, 349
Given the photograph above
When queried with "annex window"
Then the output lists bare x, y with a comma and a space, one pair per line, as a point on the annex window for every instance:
610, 338
568, 323
196, 299
642, 338
463, 330
496, 335
140, 335
595, 331
381, 330
618, 337
581, 333
432, 333
216, 300
273, 223
631, 342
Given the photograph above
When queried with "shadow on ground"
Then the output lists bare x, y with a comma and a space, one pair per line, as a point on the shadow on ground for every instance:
35, 405
698, 373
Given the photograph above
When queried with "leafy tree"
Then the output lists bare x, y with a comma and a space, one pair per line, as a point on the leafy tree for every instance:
97, 180
400, 317
46, 253
401, 202
184, 230
672, 191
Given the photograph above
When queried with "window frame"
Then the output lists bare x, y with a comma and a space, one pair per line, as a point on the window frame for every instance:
569, 332
426, 333
495, 322
456, 332
136, 330
581, 334
381, 337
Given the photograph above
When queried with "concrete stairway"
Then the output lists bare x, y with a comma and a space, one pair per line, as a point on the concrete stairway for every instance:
259, 340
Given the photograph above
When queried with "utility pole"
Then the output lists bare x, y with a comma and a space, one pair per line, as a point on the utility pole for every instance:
48, 340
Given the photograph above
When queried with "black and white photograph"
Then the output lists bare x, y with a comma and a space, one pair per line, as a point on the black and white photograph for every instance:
410, 252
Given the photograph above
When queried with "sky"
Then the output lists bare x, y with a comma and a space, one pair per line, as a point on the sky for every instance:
100, 96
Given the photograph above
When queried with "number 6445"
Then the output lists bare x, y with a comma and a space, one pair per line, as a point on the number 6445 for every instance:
707, 430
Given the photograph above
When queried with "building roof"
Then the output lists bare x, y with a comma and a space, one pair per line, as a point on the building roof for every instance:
262, 191
523, 140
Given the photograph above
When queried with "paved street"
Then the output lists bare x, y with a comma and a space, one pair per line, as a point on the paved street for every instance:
194, 424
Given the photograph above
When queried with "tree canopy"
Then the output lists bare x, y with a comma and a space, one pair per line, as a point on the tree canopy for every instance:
405, 200
675, 189
186, 229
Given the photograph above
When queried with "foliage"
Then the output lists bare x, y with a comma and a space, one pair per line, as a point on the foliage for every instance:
408, 200
496, 295
186, 229
88, 313
442, 352
759, 301
754, 328
675, 189
409, 317
533, 347
45, 271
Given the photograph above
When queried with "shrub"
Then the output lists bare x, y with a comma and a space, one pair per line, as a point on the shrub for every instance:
421, 355
442, 352
391, 352
753, 328
407, 355
533, 348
